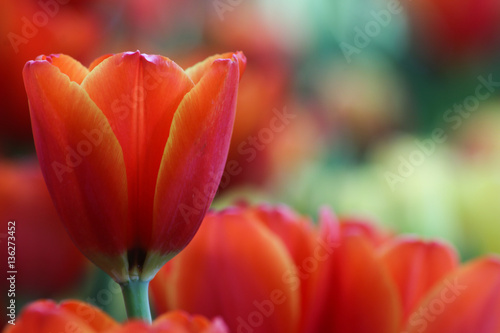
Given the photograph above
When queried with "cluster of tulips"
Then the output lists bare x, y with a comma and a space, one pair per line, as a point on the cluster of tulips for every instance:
132, 149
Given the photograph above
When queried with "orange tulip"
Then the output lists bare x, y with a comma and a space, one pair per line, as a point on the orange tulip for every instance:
437, 294
239, 267
74, 316
466, 300
132, 150
345, 276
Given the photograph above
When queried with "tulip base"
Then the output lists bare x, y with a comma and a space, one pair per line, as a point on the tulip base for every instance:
136, 297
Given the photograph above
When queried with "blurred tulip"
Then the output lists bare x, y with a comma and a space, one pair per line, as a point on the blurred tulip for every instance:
466, 300
261, 98
416, 266
30, 28
47, 262
267, 269
46, 316
254, 154
75, 316
294, 146
451, 31
238, 267
362, 121
132, 201
242, 24
354, 291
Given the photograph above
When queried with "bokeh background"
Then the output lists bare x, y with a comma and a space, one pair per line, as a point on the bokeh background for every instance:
383, 110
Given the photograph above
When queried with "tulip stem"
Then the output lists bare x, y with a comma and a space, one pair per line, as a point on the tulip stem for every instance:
136, 297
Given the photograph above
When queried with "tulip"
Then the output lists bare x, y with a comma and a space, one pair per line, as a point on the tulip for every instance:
132, 150
46, 316
340, 276
466, 300
239, 267
439, 295
450, 32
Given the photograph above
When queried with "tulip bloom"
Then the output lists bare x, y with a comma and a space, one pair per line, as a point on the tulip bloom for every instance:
132, 150
245, 265
75, 316
345, 276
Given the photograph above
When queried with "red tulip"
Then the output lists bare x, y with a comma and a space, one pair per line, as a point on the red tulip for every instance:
25, 200
466, 300
354, 292
75, 316
400, 284
239, 267
452, 31
132, 150
416, 266
343, 276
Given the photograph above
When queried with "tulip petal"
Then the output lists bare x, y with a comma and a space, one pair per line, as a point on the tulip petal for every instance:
137, 326
363, 227
295, 231
67, 65
139, 95
416, 266
98, 61
354, 282
81, 161
197, 71
173, 322
237, 257
192, 324
48, 317
94, 317
467, 300
298, 236
318, 292
194, 157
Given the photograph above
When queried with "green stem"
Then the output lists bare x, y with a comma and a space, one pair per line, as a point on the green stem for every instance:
136, 297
